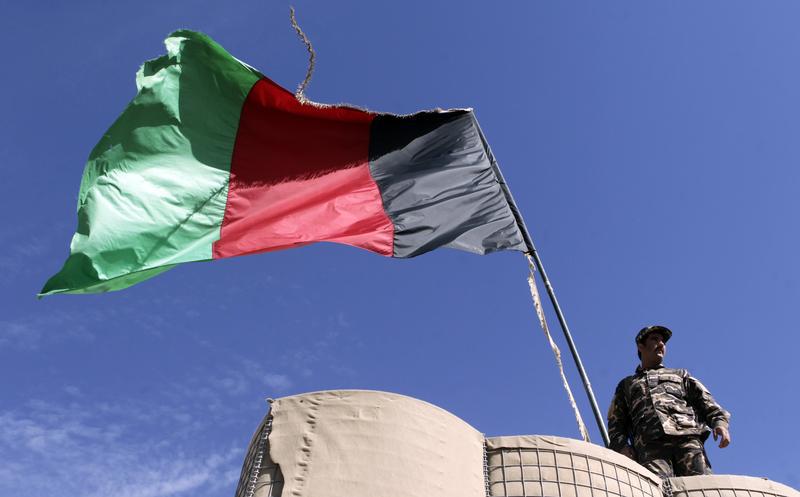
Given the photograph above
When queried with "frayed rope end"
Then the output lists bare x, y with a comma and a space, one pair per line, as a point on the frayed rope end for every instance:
300, 94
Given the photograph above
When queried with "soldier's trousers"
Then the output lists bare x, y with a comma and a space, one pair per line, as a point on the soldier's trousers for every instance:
675, 456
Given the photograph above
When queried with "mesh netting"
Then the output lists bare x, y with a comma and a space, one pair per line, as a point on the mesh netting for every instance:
566, 471
260, 476
729, 486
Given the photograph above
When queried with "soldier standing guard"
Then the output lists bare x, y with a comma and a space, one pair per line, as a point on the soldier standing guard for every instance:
666, 413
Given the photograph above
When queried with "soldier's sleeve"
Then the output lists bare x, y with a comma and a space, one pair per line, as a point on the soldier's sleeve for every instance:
705, 405
619, 419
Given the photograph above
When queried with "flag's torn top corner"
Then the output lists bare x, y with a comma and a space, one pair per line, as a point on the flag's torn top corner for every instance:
435, 110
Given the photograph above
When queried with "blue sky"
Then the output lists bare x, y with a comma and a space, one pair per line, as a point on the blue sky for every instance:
652, 148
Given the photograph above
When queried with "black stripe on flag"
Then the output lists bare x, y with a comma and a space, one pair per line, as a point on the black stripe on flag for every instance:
438, 184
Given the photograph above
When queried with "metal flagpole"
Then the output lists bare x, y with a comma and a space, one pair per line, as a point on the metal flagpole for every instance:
561, 320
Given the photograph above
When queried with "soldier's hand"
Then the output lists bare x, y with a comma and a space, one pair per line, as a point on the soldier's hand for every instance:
724, 436
628, 451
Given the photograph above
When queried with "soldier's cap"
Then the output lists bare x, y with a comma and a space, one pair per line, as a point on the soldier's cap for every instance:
666, 332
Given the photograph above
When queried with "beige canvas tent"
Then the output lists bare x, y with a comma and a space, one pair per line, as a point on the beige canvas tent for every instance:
354, 443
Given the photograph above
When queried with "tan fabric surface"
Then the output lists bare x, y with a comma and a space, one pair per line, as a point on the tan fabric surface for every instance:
729, 486
372, 444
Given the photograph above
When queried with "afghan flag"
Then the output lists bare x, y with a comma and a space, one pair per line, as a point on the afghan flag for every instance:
211, 159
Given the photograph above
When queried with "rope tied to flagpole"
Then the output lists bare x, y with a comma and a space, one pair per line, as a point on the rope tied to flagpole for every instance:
537, 303
301, 88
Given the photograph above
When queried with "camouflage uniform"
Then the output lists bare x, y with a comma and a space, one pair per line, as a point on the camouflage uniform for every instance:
667, 415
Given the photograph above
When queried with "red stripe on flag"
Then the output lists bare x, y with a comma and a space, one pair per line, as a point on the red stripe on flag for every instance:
300, 174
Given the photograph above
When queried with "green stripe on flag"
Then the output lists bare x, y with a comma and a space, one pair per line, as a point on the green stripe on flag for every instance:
154, 189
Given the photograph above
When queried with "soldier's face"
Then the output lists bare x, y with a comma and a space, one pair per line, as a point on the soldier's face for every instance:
653, 349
